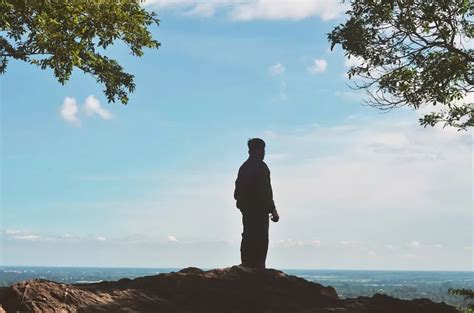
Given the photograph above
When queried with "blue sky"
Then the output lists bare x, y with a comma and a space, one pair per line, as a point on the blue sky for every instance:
91, 183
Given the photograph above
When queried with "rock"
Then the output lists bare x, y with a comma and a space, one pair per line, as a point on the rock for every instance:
386, 304
191, 270
230, 290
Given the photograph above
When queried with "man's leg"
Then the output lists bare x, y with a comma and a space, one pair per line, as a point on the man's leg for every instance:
245, 244
248, 247
262, 241
254, 244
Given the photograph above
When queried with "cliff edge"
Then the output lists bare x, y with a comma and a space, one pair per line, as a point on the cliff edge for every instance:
229, 290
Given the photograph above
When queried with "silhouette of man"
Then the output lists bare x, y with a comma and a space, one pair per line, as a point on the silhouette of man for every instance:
254, 196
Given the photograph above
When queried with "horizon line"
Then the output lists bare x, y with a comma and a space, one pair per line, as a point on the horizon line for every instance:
280, 269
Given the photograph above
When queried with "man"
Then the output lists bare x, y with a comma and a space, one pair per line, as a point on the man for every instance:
254, 196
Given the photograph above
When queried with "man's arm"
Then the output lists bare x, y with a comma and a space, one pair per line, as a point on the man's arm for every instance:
267, 189
269, 195
239, 192
237, 189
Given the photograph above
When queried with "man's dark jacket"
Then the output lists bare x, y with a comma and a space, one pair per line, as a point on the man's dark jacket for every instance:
253, 190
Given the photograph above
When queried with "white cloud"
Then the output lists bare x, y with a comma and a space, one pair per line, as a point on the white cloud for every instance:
69, 110
287, 10
348, 243
171, 238
92, 106
13, 234
288, 243
173, 4
247, 10
276, 69
10, 232
319, 66
414, 244
291, 243
26, 237
206, 9
21, 235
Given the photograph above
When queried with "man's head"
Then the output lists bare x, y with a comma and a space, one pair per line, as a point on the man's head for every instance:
256, 148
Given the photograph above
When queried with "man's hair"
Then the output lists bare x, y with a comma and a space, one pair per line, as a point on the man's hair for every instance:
256, 144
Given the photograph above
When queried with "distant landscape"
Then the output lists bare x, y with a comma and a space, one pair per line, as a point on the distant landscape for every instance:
433, 285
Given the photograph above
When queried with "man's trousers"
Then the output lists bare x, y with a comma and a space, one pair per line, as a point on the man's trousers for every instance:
254, 246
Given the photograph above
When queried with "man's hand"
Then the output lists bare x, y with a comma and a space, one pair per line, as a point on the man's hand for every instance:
275, 217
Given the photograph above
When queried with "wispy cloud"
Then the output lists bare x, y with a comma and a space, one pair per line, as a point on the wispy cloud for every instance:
318, 66
204, 9
287, 10
414, 244
276, 69
21, 235
283, 94
371, 253
279, 70
348, 243
171, 238
292, 243
248, 10
25, 235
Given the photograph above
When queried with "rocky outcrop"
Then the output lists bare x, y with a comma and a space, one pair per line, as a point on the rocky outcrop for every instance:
230, 290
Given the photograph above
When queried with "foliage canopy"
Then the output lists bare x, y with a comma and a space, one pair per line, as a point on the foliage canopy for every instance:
64, 34
413, 53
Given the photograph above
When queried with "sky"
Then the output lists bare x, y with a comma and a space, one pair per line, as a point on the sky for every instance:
85, 182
